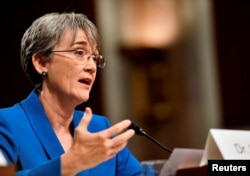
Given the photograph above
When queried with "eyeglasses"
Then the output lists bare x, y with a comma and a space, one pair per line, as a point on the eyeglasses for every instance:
81, 55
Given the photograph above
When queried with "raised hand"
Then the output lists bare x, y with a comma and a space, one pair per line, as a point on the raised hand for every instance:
90, 149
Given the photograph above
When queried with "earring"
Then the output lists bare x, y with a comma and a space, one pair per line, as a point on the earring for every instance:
44, 74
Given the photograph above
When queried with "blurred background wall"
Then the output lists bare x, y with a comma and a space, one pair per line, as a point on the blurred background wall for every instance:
175, 67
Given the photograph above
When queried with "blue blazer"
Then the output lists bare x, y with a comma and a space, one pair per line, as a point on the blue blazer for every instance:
28, 141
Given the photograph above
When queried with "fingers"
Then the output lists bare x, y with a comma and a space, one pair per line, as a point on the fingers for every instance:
83, 125
117, 128
103, 144
110, 132
86, 118
120, 134
117, 135
120, 141
114, 138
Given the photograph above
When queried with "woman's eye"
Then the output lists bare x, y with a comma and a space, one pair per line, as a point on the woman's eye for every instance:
95, 59
79, 52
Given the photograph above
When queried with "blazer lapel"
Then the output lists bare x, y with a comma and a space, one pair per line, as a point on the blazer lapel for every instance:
41, 125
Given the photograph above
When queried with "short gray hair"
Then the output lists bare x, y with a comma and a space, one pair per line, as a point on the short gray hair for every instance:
48, 30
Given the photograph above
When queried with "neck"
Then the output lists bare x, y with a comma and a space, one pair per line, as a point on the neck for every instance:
60, 115
60, 118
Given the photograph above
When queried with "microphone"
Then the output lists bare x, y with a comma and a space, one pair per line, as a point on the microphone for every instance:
139, 131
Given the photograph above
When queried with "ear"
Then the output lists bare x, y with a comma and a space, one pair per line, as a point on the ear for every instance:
39, 64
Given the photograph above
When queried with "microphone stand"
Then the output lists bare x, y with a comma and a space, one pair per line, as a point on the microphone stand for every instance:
139, 131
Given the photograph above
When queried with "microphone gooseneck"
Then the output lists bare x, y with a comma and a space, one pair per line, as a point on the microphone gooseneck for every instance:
139, 131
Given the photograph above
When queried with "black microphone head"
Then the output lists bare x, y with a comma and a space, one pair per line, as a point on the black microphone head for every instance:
138, 130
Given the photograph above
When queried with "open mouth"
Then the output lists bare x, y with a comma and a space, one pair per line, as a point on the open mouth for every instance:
85, 81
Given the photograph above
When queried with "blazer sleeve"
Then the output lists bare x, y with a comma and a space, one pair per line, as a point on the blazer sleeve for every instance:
50, 167
10, 150
127, 163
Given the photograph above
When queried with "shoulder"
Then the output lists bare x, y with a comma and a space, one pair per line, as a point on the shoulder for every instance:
11, 112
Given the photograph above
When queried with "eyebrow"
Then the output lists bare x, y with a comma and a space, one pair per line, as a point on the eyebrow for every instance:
80, 43
85, 43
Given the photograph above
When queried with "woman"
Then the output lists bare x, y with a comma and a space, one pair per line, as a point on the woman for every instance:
44, 134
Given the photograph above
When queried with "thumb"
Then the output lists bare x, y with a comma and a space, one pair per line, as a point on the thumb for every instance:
86, 117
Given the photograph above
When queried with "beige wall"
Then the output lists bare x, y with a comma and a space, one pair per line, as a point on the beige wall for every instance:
185, 76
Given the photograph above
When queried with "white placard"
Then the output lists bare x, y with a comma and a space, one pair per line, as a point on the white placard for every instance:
226, 144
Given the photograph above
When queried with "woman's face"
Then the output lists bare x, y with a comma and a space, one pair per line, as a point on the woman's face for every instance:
69, 78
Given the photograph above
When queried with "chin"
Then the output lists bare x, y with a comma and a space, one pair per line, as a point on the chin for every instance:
82, 96
85, 98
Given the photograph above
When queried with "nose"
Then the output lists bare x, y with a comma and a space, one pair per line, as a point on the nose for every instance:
90, 66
